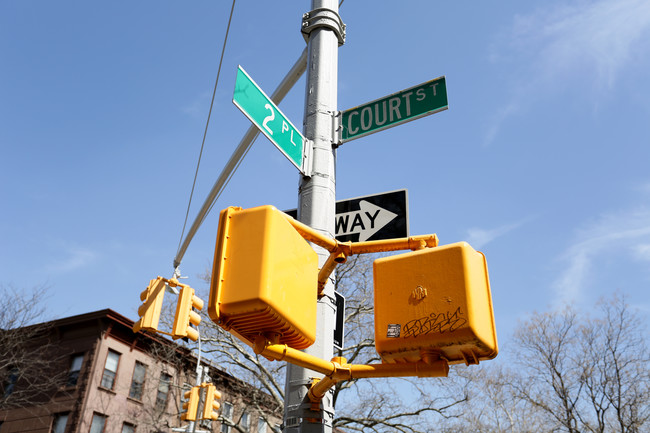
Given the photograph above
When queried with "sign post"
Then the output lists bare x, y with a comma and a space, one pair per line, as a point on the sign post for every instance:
323, 29
392, 110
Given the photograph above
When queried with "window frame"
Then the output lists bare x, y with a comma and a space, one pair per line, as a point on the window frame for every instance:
12, 379
160, 404
73, 375
128, 424
59, 416
262, 425
225, 428
114, 373
135, 385
97, 415
245, 421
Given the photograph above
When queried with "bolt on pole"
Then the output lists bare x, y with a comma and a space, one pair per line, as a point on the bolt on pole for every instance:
316, 205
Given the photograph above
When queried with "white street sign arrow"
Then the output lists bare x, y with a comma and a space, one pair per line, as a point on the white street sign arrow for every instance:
371, 217
366, 221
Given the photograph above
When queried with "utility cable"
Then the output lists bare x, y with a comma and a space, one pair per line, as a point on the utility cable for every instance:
207, 123
235, 160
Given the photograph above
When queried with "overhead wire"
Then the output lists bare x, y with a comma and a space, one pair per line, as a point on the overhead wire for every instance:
207, 123
229, 178
182, 245
296, 71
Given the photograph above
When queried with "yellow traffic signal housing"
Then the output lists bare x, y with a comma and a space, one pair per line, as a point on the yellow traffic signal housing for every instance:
434, 302
191, 404
149, 311
185, 316
211, 405
264, 278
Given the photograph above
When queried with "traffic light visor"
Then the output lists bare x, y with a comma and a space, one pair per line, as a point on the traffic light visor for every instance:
264, 277
434, 301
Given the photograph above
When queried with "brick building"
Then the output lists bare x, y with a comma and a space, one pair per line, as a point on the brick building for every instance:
116, 381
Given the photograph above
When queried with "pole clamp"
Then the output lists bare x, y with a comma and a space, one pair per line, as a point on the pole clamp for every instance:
323, 17
337, 129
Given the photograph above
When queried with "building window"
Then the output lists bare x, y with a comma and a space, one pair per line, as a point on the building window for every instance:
128, 428
226, 413
245, 421
163, 391
60, 422
98, 423
110, 369
137, 383
10, 384
75, 369
261, 425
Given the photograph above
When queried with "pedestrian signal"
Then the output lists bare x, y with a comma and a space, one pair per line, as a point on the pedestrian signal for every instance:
264, 278
434, 302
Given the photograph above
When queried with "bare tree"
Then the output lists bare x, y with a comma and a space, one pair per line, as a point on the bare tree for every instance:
580, 373
259, 382
173, 365
492, 406
30, 369
620, 377
566, 371
256, 380
553, 383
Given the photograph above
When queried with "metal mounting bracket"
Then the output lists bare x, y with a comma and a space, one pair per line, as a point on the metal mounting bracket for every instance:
336, 130
308, 164
323, 17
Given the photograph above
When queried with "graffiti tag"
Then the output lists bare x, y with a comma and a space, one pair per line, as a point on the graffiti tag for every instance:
435, 322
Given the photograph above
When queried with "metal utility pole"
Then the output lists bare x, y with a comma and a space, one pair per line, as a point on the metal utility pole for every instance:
324, 32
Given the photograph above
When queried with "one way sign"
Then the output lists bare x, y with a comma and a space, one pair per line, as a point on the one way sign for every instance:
372, 217
366, 221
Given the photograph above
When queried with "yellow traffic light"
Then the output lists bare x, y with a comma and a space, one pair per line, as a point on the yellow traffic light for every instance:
185, 315
264, 278
211, 406
149, 311
191, 404
434, 302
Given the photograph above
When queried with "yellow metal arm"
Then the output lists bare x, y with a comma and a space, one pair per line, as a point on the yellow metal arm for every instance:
350, 248
340, 251
338, 369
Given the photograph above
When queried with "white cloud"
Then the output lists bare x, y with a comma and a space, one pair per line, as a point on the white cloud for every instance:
199, 106
624, 235
642, 252
598, 35
478, 238
586, 43
74, 259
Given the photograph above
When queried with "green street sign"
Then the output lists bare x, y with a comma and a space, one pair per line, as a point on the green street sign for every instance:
392, 110
261, 110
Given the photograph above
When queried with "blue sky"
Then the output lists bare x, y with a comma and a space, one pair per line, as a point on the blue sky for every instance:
541, 160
